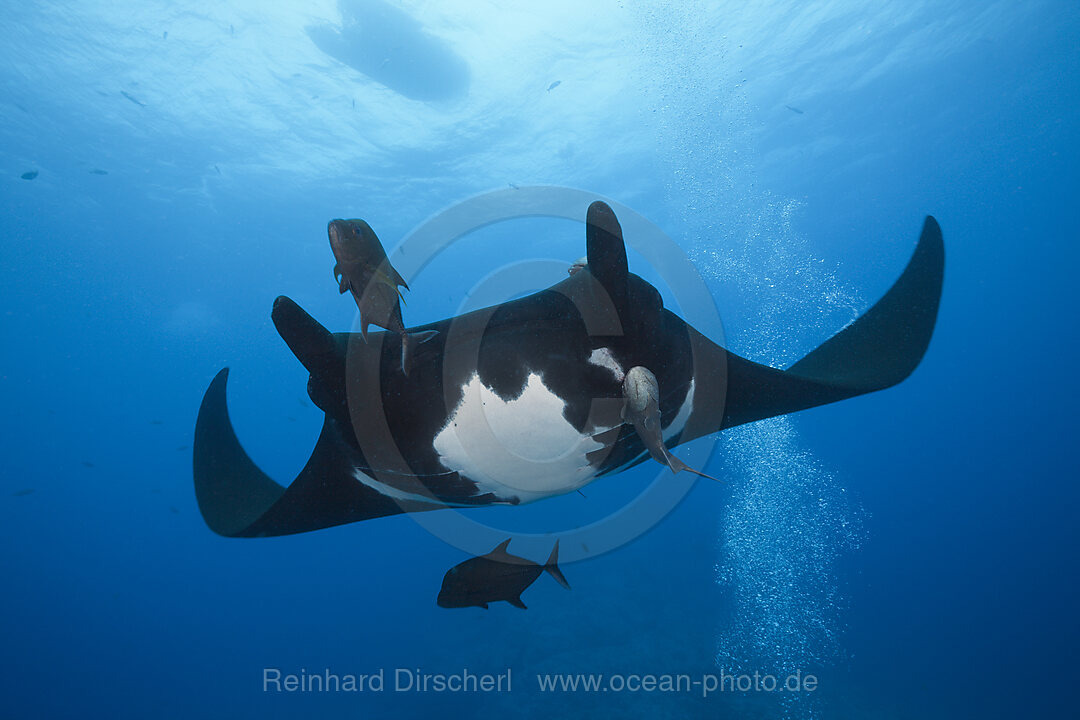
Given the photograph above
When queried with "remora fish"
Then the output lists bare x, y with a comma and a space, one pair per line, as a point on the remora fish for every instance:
495, 576
642, 410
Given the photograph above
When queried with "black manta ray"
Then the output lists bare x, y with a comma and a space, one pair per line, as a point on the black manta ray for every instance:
530, 398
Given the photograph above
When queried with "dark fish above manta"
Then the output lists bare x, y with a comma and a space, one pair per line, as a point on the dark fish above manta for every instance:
532, 398
363, 269
495, 576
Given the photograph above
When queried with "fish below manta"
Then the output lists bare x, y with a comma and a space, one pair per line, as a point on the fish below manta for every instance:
496, 576
535, 397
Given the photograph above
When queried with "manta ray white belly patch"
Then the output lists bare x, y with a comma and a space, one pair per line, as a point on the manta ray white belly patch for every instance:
602, 357
521, 448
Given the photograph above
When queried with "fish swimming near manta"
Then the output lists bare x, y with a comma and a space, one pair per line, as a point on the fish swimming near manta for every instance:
535, 397
363, 269
495, 576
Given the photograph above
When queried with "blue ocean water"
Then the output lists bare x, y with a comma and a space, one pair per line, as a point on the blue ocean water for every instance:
168, 169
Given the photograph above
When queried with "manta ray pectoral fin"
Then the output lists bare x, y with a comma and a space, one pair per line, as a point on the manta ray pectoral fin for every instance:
516, 602
239, 500
231, 491
886, 344
876, 351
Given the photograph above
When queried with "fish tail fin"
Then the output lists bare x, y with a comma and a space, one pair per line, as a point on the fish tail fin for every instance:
552, 567
677, 466
408, 342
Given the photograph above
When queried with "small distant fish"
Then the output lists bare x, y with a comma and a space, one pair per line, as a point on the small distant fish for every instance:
218, 169
165, 35
231, 30
512, 186
125, 94
99, 171
495, 576
794, 110
22, 493
156, 422
29, 175
88, 464
173, 510
554, 85
182, 448
354, 104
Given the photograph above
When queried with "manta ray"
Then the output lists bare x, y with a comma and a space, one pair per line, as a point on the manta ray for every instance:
535, 397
